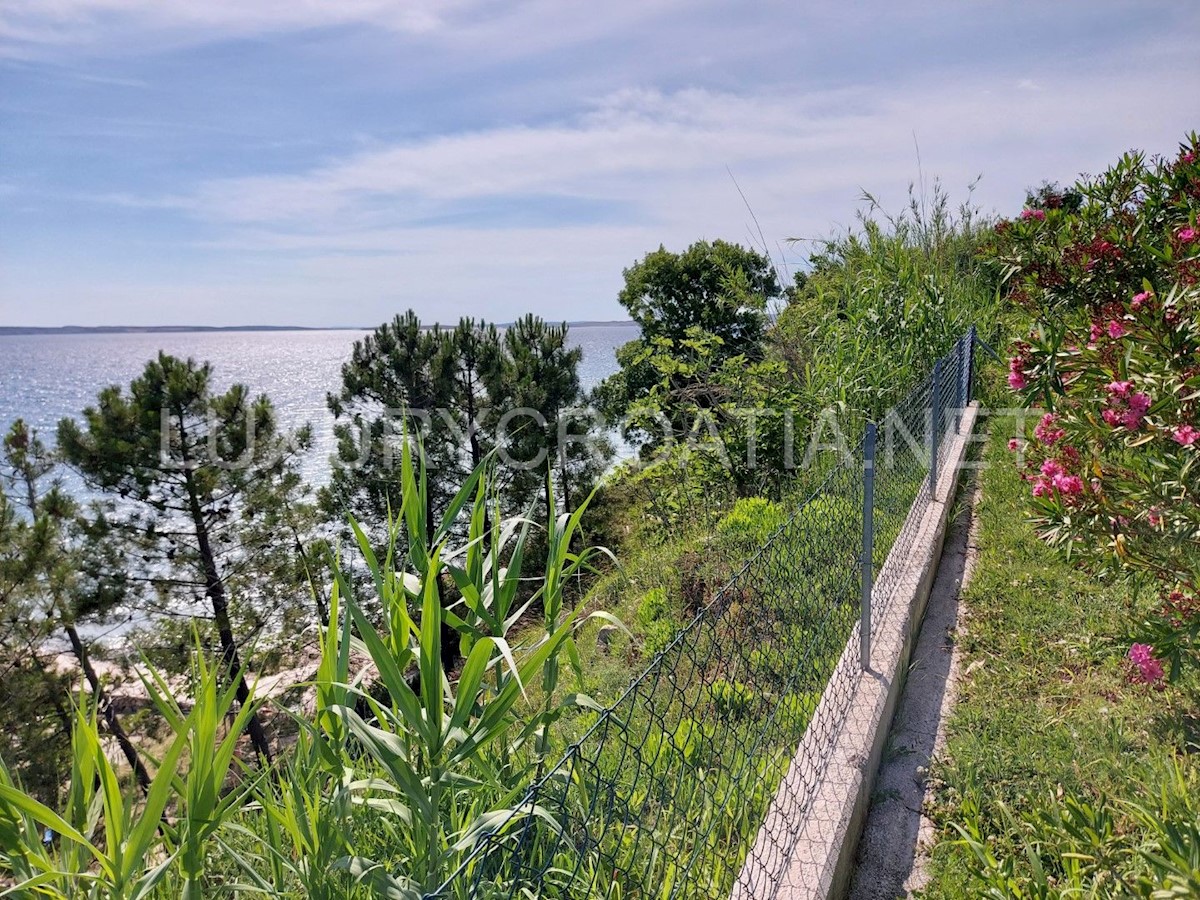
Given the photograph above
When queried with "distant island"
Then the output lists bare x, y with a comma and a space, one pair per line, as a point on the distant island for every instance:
6, 330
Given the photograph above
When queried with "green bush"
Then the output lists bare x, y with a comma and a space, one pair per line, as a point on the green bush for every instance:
750, 523
653, 607
730, 699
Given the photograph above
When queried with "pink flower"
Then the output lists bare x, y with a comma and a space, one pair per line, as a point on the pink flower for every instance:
1185, 435
1041, 488
1014, 445
1045, 430
1187, 235
1140, 653
1132, 419
1136, 406
1052, 467
1150, 670
1189, 157
1068, 485
1154, 517
1142, 299
1017, 381
1095, 333
1120, 388
1038, 214
1116, 330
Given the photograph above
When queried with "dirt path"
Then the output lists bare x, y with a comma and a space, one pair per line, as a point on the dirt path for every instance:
892, 855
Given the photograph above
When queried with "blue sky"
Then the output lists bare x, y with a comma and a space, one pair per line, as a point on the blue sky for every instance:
333, 162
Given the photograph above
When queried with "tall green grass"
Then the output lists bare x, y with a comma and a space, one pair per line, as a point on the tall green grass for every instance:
886, 299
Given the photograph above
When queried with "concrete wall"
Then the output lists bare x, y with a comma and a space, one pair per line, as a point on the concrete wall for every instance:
806, 846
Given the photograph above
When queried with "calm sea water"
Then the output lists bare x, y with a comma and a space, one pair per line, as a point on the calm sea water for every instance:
46, 377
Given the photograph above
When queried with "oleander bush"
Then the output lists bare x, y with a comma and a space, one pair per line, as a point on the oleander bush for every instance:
1111, 368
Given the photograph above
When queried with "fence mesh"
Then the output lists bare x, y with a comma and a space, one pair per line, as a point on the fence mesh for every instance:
664, 793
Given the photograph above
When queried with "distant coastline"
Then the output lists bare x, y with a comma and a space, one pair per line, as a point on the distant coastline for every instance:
13, 330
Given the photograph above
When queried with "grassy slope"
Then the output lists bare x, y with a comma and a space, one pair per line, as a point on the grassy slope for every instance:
1044, 706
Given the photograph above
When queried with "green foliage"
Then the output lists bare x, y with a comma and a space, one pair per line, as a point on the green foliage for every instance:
750, 523
730, 699
723, 414
881, 303
701, 307
653, 607
204, 481
1101, 849
1111, 362
433, 762
463, 392
107, 845
62, 576
1060, 779
657, 621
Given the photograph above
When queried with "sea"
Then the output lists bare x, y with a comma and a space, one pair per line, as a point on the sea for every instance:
46, 377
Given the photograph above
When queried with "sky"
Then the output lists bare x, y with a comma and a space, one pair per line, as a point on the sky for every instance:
334, 162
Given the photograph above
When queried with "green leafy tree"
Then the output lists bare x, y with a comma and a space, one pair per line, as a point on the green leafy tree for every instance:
474, 358
192, 473
718, 289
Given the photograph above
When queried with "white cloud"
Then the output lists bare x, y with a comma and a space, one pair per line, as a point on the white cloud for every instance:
499, 28
348, 242
82, 20
643, 157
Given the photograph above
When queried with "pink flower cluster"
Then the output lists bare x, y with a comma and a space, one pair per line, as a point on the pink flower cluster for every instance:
1016, 374
1187, 235
1141, 300
1185, 435
1045, 430
1038, 214
1149, 669
1125, 406
1114, 329
1056, 478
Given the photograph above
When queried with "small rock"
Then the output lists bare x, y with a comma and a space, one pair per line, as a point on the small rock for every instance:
604, 637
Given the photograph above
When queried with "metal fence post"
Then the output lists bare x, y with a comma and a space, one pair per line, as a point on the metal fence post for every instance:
868, 547
971, 339
960, 360
935, 426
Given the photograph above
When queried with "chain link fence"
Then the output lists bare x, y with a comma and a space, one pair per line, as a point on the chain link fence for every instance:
665, 791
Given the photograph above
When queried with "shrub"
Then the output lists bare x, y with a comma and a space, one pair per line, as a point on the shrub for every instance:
1113, 366
750, 523
730, 699
653, 607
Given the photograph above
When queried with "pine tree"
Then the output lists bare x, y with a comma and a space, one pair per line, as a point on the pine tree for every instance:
191, 473
540, 377
60, 590
398, 374
35, 717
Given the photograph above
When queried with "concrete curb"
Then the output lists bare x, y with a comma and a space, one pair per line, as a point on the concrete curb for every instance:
806, 846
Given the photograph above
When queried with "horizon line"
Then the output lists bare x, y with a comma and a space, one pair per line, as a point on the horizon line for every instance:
17, 330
